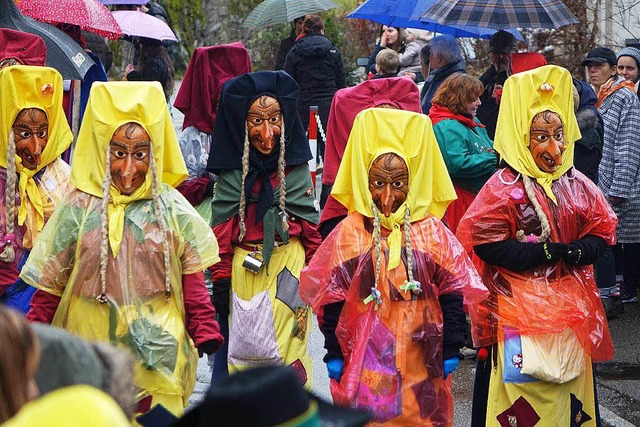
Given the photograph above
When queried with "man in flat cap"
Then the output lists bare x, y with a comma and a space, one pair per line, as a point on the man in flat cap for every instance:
501, 47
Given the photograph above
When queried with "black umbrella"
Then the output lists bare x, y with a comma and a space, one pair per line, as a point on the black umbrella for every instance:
63, 53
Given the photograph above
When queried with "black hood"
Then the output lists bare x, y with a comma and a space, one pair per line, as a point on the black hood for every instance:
314, 45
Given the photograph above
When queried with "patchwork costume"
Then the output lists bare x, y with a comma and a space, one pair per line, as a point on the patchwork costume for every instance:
37, 191
127, 269
535, 235
265, 239
388, 291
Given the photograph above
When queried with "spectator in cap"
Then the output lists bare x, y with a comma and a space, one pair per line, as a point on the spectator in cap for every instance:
501, 47
628, 65
619, 170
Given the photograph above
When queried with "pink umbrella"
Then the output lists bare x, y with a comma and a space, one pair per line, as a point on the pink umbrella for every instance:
135, 23
90, 15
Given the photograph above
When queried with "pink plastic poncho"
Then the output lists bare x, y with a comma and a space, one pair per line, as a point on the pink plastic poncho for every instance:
392, 353
551, 297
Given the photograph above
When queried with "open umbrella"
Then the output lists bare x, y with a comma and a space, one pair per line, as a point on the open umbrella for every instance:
271, 12
125, 2
63, 53
135, 23
90, 15
406, 14
501, 14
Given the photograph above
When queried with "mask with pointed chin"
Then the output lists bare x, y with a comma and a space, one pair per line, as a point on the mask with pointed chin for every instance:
546, 141
264, 124
388, 183
31, 134
130, 148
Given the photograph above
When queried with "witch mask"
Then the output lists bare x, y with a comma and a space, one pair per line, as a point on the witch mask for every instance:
31, 133
388, 183
130, 151
546, 141
264, 124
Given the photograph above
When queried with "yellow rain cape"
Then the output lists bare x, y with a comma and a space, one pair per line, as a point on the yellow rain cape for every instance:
377, 131
525, 95
110, 106
23, 87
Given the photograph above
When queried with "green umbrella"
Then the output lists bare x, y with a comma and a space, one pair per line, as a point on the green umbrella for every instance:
271, 12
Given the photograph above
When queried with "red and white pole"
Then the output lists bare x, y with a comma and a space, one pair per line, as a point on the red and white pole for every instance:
313, 142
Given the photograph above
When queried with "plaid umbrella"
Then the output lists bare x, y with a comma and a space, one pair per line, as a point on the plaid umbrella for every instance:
271, 12
501, 14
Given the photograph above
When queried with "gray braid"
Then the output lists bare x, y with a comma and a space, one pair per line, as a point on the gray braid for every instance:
104, 226
243, 198
544, 221
377, 242
407, 243
283, 185
155, 188
8, 253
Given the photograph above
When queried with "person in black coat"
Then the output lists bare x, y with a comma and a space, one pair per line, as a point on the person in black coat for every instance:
287, 44
316, 65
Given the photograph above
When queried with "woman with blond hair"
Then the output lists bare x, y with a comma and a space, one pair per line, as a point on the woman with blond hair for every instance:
463, 140
19, 361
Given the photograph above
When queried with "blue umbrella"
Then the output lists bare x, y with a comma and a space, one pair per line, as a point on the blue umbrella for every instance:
407, 13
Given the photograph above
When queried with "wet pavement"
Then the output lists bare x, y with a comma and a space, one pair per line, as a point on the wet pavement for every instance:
618, 381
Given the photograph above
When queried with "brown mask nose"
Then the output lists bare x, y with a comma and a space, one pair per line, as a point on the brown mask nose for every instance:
556, 152
266, 134
128, 172
387, 200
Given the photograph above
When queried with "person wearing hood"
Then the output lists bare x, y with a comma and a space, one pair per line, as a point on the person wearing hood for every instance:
33, 178
397, 93
535, 229
619, 169
388, 283
409, 60
121, 260
17, 47
628, 65
445, 58
197, 99
316, 65
265, 219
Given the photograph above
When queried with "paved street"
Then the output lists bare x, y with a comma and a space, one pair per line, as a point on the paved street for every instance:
618, 382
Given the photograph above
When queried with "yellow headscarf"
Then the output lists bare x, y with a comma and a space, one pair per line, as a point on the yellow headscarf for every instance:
377, 131
23, 87
111, 105
525, 95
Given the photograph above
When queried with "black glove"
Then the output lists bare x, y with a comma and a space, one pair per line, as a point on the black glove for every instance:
574, 255
553, 252
220, 296
208, 347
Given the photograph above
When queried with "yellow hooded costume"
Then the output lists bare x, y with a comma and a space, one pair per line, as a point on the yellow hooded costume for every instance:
411, 137
544, 88
392, 349
24, 87
544, 323
154, 238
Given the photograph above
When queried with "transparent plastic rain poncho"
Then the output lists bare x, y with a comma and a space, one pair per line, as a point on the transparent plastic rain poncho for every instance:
393, 344
66, 257
65, 261
550, 298
396, 349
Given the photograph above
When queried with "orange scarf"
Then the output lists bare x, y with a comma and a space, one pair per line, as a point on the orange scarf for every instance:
610, 87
